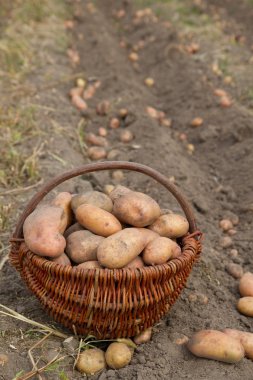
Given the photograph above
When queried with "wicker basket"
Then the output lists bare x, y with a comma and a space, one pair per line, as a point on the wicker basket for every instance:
103, 302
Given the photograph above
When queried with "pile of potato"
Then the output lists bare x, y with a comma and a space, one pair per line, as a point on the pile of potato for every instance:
125, 229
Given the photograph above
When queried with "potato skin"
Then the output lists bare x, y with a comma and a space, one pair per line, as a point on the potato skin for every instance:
158, 251
91, 361
216, 345
245, 306
95, 198
135, 263
93, 264
144, 336
170, 225
118, 192
246, 339
62, 260
82, 246
136, 209
118, 355
63, 200
42, 231
121, 248
246, 285
98, 221
73, 228
148, 234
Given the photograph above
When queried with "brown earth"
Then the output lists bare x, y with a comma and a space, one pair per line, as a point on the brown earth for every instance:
216, 176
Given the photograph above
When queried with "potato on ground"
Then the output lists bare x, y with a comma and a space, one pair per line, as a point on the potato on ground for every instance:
159, 251
73, 228
135, 263
216, 345
246, 285
136, 209
246, 339
95, 198
91, 361
170, 225
144, 336
97, 220
62, 260
82, 246
118, 192
43, 231
118, 355
63, 200
120, 249
245, 306
89, 265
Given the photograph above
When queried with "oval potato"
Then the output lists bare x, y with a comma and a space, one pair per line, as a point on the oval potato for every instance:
246, 339
73, 228
216, 345
245, 306
148, 234
63, 200
136, 263
82, 246
93, 264
158, 251
120, 249
136, 209
118, 355
170, 225
118, 192
95, 198
99, 221
62, 259
246, 285
91, 361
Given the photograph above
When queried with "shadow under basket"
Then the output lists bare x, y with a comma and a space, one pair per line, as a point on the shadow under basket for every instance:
106, 303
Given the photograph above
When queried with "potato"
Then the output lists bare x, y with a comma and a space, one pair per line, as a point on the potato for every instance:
176, 252
246, 285
89, 265
216, 345
144, 336
136, 209
246, 339
73, 228
82, 246
62, 259
99, 221
118, 355
136, 263
158, 251
148, 234
170, 225
95, 198
63, 200
118, 192
42, 231
245, 306
91, 361
121, 248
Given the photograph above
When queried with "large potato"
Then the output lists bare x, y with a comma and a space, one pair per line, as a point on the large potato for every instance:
216, 345
63, 200
91, 361
99, 221
159, 251
120, 249
89, 265
82, 246
148, 234
118, 192
170, 225
95, 198
62, 259
42, 231
73, 228
136, 209
246, 339
118, 355
135, 263
246, 285
245, 306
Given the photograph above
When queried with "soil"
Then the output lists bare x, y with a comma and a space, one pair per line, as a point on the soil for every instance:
215, 177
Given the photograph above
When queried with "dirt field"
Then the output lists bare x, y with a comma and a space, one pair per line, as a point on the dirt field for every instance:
190, 49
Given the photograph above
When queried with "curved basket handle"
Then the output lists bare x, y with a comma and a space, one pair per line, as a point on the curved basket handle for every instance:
107, 165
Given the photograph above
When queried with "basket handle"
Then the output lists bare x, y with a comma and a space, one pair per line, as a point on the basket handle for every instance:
107, 165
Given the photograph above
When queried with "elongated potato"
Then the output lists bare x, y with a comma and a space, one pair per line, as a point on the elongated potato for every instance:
95, 198
89, 265
118, 355
99, 221
246, 285
63, 200
216, 345
42, 231
148, 234
118, 192
82, 246
136, 263
245, 306
136, 209
170, 225
121, 248
73, 228
62, 259
246, 339
158, 251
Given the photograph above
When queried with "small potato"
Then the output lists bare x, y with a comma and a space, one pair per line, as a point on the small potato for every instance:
121, 248
63, 200
91, 361
89, 265
73, 228
118, 355
136, 263
97, 220
158, 251
170, 225
246, 285
216, 345
95, 198
62, 260
136, 209
246, 339
144, 336
82, 246
118, 192
245, 306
